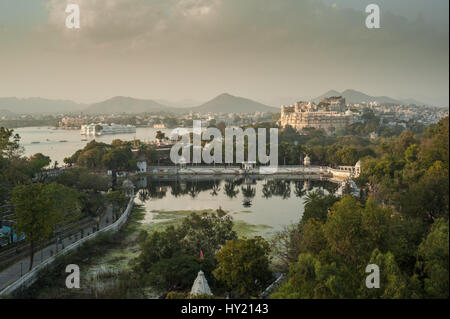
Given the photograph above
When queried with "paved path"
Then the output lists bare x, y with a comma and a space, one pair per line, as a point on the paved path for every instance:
15, 271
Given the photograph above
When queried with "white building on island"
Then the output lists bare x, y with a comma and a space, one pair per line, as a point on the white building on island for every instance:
106, 129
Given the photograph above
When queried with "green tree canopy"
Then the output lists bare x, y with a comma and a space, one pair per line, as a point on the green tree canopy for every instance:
243, 266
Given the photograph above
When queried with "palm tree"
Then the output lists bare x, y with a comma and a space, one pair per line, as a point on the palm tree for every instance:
215, 190
313, 196
143, 195
249, 192
175, 190
230, 190
299, 190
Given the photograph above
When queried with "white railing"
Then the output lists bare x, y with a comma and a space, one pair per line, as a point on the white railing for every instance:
30, 277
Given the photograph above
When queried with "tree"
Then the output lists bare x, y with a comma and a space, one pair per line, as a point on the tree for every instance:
160, 136
39, 209
433, 260
9, 144
175, 273
243, 266
169, 258
206, 232
309, 278
37, 162
117, 158
317, 205
393, 282
285, 246
117, 200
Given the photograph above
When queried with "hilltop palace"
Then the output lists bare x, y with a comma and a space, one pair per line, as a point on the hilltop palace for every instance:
329, 115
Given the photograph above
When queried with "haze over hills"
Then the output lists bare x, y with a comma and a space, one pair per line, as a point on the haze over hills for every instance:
223, 103
121, 104
6, 113
39, 105
326, 94
184, 103
353, 96
226, 103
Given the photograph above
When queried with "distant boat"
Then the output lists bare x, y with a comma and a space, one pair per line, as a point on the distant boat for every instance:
62, 141
35, 142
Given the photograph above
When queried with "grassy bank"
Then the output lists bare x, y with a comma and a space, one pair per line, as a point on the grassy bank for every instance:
105, 263
163, 218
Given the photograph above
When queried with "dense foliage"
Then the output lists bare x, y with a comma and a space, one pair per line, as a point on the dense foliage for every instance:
37, 201
401, 225
170, 259
115, 156
243, 266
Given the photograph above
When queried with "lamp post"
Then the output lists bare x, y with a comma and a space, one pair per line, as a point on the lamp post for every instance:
97, 220
56, 235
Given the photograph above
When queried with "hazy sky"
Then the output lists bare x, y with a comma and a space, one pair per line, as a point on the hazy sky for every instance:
268, 50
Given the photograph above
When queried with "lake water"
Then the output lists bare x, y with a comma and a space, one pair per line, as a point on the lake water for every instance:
271, 201
50, 140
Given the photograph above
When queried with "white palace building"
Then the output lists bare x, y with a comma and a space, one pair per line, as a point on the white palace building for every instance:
329, 115
105, 129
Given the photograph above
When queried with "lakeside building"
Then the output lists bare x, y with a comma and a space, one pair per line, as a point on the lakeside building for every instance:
328, 115
71, 122
105, 129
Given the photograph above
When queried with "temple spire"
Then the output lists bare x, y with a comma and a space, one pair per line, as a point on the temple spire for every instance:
200, 286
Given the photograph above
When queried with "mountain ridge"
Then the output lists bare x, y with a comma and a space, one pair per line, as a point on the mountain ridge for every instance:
227, 103
354, 96
123, 104
38, 105
222, 103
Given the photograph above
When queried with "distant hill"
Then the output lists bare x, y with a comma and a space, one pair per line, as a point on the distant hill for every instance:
223, 103
38, 105
121, 104
353, 96
185, 103
6, 113
413, 101
326, 94
226, 103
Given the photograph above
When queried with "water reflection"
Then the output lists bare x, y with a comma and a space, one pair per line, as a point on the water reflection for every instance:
249, 192
272, 201
231, 187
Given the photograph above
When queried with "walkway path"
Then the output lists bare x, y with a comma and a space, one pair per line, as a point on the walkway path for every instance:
15, 271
